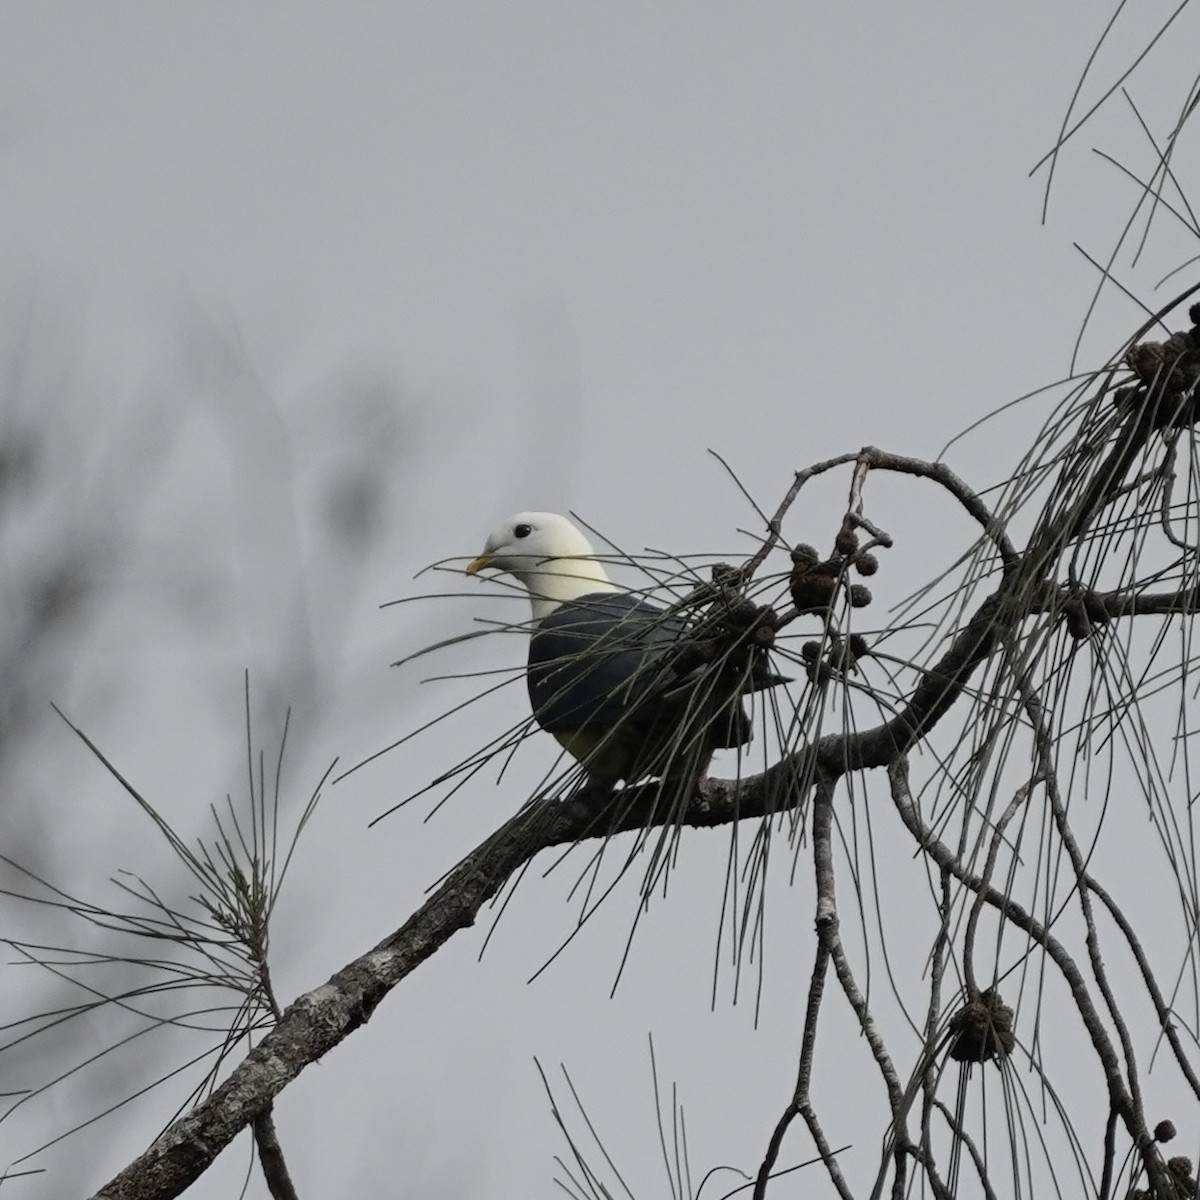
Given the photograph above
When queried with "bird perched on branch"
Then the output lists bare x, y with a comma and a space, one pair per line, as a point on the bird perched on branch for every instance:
628, 688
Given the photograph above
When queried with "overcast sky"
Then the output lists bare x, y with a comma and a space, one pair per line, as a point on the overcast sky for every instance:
549, 255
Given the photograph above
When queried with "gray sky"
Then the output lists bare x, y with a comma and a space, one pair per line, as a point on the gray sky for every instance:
577, 246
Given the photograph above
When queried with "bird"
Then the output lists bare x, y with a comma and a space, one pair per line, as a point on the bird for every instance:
628, 688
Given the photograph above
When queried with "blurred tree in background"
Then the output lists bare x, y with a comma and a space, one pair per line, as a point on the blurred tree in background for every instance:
203, 511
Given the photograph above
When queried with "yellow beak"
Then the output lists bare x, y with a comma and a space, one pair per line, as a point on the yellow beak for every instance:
479, 564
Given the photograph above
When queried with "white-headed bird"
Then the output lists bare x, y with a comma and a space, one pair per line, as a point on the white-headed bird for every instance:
628, 688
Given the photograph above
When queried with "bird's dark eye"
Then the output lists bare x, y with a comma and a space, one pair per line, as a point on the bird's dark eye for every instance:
522, 531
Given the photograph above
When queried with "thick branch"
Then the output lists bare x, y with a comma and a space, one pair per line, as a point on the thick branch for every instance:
270, 1157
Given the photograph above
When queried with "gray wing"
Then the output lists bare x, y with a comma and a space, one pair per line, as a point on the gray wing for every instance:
592, 662
611, 672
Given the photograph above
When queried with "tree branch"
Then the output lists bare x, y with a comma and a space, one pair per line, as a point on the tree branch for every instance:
1016, 914
320, 1019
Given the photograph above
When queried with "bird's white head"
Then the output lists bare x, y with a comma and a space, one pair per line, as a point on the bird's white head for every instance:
546, 553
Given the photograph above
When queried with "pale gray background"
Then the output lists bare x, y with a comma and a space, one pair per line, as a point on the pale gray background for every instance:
545, 255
